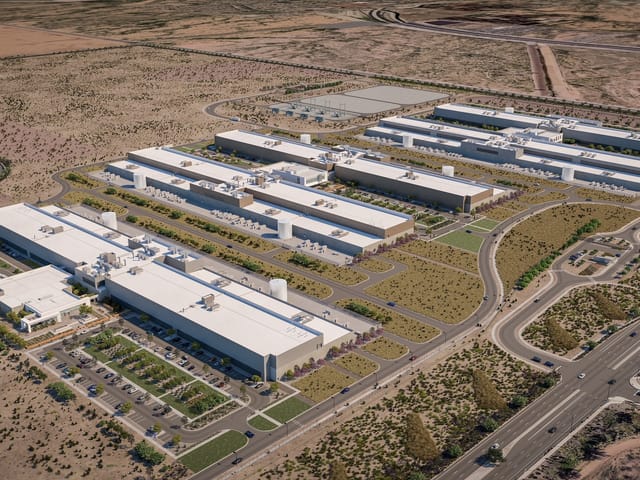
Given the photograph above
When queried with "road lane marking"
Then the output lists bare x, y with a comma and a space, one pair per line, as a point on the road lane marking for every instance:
617, 365
541, 420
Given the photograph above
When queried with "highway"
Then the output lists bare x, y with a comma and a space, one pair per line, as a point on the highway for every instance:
390, 17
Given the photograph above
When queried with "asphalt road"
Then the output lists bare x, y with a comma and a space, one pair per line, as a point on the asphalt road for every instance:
393, 18
526, 438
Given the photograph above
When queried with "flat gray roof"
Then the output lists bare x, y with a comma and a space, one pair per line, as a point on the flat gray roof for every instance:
401, 95
359, 105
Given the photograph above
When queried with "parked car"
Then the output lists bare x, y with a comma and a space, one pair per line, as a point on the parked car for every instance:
548, 364
259, 385
101, 369
536, 359
345, 390
249, 434
581, 376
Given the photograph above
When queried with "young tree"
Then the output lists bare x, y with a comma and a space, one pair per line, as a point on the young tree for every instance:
125, 408
73, 371
195, 346
243, 389
256, 378
418, 441
176, 439
157, 428
85, 309
99, 389
48, 355
274, 387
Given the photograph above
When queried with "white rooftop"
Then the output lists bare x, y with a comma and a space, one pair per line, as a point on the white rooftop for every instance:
422, 178
44, 290
259, 327
331, 330
277, 144
432, 128
531, 120
302, 196
72, 243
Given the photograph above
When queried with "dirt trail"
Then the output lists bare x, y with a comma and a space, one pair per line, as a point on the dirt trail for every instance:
559, 86
591, 469
537, 70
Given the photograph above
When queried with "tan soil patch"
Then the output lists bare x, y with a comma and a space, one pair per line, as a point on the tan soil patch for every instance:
28, 41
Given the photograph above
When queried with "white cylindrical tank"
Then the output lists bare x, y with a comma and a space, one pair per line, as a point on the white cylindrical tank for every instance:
305, 138
139, 180
508, 110
285, 229
278, 288
109, 219
567, 174
447, 170
407, 141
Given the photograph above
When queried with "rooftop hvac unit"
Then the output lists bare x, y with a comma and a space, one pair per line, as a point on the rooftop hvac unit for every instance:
305, 138
209, 300
567, 174
186, 163
509, 110
319, 202
131, 166
135, 270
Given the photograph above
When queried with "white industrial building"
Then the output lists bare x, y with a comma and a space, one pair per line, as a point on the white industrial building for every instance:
339, 223
261, 333
40, 297
583, 130
524, 145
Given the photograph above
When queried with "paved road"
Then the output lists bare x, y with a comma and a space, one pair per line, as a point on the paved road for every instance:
393, 18
526, 437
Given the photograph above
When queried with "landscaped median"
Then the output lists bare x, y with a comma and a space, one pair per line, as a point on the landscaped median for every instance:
261, 423
357, 364
287, 409
386, 348
345, 275
580, 318
393, 322
213, 451
323, 383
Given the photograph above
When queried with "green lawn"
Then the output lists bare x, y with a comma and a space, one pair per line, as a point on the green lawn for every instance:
463, 240
184, 408
214, 450
285, 411
486, 223
261, 423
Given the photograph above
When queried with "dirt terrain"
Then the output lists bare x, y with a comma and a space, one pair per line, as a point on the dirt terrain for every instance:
16, 40
620, 461
61, 111
41, 438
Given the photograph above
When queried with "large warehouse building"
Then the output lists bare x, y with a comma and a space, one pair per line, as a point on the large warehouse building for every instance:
338, 222
525, 144
261, 333
582, 130
364, 167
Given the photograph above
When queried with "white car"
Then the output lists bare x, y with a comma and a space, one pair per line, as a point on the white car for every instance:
581, 376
